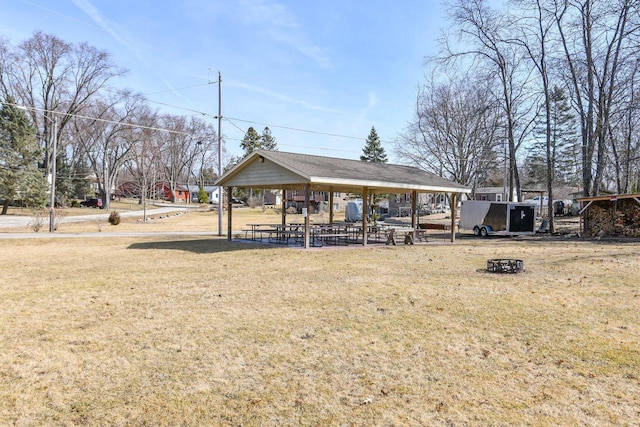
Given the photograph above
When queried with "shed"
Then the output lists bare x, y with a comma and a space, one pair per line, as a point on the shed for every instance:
282, 170
610, 215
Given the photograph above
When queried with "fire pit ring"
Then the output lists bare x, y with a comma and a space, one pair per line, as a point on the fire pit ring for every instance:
505, 265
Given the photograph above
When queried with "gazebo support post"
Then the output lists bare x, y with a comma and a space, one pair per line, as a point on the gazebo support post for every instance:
330, 205
414, 212
365, 213
229, 212
283, 206
454, 208
306, 217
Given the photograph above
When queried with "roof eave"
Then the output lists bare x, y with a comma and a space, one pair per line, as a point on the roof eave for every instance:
384, 186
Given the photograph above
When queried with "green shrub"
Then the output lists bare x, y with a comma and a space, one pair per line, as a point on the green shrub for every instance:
114, 218
203, 197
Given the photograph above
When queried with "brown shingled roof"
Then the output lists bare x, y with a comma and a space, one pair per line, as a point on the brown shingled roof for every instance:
345, 174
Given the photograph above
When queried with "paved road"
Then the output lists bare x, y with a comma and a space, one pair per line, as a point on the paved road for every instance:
14, 221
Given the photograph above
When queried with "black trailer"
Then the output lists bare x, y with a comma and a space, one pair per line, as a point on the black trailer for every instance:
502, 218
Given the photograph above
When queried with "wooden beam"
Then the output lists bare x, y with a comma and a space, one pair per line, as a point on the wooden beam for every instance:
283, 206
414, 212
229, 212
365, 211
454, 208
307, 233
330, 205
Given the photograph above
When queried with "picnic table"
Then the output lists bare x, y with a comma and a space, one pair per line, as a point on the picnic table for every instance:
257, 230
334, 233
326, 233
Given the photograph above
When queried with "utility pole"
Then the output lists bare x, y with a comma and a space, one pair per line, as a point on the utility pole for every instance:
219, 152
52, 202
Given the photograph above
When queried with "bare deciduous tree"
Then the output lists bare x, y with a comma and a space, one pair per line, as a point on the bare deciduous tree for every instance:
50, 75
454, 132
190, 140
485, 35
597, 40
100, 136
143, 162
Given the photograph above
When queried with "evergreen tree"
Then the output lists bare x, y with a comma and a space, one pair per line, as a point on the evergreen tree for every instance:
251, 141
81, 185
565, 135
65, 187
268, 142
563, 151
373, 150
19, 153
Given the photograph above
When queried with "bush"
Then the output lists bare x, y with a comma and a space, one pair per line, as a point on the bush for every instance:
203, 197
114, 218
37, 220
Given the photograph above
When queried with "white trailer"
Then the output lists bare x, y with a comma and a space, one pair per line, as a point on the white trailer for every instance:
502, 218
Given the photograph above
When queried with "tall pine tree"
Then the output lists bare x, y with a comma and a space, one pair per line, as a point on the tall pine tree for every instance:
252, 141
268, 141
563, 150
19, 153
373, 151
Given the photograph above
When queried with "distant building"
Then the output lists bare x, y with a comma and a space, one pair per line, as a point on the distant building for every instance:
492, 194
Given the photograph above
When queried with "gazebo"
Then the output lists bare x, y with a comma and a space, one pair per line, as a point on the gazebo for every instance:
303, 172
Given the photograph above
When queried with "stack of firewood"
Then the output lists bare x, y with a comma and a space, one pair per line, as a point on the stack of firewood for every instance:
614, 218
632, 219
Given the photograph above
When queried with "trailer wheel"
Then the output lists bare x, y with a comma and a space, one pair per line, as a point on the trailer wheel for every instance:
476, 231
484, 232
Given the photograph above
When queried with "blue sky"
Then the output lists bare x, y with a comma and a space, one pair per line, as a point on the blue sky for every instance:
336, 66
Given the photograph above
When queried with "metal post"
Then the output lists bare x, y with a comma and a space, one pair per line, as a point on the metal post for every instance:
220, 152
53, 177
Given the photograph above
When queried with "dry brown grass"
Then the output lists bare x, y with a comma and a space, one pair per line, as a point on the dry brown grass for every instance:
199, 331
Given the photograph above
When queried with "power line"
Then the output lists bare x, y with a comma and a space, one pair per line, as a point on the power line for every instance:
290, 145
80, 116
301, 146
297, 129
259, 123
179, 88
230, 121
200, 113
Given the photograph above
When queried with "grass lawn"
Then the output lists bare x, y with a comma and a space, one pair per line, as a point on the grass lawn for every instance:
199, 331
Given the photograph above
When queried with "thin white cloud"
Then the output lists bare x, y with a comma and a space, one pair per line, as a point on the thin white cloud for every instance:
118, 34
371, 104
286, 99
283, 26
87, 7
